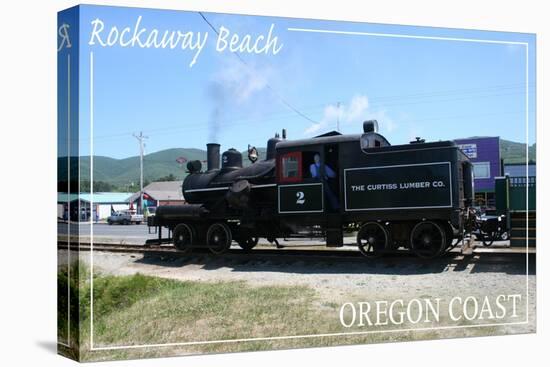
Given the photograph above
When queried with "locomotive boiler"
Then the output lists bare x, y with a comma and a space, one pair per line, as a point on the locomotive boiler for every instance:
414, 197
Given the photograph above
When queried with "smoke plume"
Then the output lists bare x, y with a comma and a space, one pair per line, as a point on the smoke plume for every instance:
232, 90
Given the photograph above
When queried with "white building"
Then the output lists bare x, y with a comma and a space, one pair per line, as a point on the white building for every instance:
102, 203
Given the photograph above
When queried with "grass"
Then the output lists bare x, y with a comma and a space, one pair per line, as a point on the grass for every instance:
65, 285
140, 309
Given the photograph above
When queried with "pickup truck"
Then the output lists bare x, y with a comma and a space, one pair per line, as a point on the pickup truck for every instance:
125, 217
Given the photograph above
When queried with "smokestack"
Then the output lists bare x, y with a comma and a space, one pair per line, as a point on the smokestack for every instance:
213, 156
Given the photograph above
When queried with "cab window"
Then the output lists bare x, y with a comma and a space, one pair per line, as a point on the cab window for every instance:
290, 167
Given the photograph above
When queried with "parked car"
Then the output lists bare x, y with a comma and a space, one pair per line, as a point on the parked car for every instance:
125, 217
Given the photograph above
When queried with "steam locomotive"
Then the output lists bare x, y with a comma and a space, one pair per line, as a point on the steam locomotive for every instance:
415, 197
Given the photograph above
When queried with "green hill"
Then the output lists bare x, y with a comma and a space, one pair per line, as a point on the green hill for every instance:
122, 173
513, 152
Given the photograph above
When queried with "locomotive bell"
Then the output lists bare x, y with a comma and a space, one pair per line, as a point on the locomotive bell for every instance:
252, 154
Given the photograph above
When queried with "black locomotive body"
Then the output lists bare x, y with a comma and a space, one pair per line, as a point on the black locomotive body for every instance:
415, 196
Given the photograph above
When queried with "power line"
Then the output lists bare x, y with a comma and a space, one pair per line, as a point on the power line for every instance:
277, 94
374, 101
279, 116
202, 127
430, 118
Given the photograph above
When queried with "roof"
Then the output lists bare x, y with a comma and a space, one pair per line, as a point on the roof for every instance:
472, 138
162, 190
330, 133
97, 197
335, 139
331, 139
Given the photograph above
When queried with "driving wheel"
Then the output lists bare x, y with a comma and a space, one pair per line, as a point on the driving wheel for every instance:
183, 236
428, 239
218, 238
372, 239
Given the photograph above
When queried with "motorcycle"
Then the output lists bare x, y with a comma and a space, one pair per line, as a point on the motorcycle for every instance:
490, 228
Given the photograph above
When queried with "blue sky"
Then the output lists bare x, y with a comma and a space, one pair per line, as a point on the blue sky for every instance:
436, 89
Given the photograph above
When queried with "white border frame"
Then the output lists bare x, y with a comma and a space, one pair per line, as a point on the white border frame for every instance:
403, 207
300, 211
526, 321
68, 341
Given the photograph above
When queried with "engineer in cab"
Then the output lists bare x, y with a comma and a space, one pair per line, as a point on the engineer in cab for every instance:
315, 171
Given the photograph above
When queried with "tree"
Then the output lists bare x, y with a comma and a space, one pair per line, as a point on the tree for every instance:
99, 186
170, 177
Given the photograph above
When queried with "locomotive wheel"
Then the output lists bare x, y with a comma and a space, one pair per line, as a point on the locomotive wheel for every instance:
218, 238
372, 239
183, 236
428, 239
249, 243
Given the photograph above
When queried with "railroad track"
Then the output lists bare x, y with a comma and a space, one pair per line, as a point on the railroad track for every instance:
485, 255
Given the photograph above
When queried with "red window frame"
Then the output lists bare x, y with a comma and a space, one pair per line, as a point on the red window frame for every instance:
281, 178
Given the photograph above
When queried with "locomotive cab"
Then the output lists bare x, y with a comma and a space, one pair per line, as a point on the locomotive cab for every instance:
308, 176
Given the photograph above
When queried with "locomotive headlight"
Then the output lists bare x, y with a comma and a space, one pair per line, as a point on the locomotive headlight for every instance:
372, 140
367, 141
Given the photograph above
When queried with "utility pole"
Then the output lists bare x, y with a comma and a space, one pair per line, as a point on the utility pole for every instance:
338, 117
140, 139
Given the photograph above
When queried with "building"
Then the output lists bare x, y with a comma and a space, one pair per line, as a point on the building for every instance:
160, 193
484, 153
102, 203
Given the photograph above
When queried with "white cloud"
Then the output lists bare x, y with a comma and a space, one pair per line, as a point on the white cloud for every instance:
352, 113
356, 109
313, 128
234, 87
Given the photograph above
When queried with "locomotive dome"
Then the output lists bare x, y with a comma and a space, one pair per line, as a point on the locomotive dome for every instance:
232, 159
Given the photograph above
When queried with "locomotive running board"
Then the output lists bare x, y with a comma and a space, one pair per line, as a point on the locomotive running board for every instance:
157, 242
